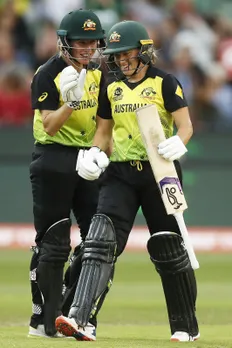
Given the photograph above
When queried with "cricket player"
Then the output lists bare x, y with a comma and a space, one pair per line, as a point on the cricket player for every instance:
65, 92
129, 184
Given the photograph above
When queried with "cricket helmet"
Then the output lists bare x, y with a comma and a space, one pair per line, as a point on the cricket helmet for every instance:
125, 36
81, 25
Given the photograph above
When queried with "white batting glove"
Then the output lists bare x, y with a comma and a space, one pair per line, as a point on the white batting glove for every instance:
80, 156
172, 148
72, 85
92, 164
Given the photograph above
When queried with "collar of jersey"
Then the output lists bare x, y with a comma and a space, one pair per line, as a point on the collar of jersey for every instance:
151, 71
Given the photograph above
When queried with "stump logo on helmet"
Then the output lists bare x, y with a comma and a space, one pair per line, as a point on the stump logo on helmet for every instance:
89, 25
125, 36
81, 25
114, 37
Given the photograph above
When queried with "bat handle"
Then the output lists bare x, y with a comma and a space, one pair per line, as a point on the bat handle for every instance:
188, 245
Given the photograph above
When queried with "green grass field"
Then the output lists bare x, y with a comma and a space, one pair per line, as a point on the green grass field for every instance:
134, 314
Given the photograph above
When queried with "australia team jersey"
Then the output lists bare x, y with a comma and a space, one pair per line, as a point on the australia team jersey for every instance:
120, 99
79, 128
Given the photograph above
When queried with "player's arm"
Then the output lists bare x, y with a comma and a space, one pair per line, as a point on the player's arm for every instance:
183, 124
45, 97
103, 135
95, 160
54, 120
105, 123
174, 101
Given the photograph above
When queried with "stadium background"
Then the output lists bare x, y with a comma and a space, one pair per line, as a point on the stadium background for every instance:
194, 41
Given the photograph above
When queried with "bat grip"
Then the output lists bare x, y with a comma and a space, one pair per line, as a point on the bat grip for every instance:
185, 235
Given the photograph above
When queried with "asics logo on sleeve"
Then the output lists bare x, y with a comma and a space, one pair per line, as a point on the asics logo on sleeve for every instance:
43, 96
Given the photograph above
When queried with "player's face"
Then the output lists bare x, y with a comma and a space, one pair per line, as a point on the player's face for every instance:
127, 61
83, 50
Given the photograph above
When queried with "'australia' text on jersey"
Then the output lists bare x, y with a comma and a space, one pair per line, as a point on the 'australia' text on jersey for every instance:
127, 107
85, 104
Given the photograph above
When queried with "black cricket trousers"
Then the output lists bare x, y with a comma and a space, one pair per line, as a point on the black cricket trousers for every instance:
57, 189
126, 187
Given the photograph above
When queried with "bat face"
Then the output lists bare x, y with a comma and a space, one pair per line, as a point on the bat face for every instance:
164, 171
171, 187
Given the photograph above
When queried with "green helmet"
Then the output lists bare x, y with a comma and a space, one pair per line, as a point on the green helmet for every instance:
125, 36
81, 25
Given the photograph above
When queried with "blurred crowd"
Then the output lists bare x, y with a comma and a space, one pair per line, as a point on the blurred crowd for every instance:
194, 45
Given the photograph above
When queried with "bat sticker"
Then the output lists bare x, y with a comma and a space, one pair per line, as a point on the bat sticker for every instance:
171, 192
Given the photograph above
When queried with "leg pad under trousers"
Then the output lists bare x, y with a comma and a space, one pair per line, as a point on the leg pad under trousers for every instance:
72, 275
37, 300
97, 268
70, 283
54, 252
171, 260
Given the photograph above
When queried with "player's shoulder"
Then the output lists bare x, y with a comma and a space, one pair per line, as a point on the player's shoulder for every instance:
94, 66
52, 67
111, 80
167, 79
154, 72
95, 71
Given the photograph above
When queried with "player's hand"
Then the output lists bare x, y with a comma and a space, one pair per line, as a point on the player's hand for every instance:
172, 148
92, 164
72, 85
80, 156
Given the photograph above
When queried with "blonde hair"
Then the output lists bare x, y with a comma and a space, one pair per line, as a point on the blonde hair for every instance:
154, 57
152, 52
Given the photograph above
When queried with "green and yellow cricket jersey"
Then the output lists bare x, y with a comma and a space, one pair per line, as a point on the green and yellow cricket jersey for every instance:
120, 99
80, 127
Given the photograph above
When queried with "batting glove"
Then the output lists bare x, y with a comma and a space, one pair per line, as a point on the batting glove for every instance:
80, 156
72, 85
172, 148
92, 164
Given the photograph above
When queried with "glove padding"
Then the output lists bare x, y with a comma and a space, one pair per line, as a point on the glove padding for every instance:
172, 148
72, 85
80, 156
92, 164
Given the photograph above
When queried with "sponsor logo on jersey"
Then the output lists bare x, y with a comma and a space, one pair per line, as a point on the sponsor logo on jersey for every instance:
89, 25
118, 94
43, 96
148, 93
92, 88
114, 37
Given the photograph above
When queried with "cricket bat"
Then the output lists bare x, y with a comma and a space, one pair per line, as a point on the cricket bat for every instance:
164, 172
